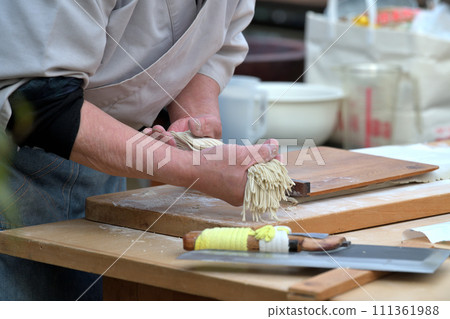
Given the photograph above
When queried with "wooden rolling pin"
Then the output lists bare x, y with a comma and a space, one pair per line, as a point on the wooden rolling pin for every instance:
296, 243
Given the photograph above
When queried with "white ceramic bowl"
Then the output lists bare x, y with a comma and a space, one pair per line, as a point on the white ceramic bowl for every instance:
301, 111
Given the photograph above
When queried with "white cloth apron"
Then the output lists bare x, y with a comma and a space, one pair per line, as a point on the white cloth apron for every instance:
172, 39
138, 100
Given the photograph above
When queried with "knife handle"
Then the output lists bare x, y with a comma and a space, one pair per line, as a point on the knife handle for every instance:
296, 243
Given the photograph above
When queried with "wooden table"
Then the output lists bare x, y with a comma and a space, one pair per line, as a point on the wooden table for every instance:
140, 266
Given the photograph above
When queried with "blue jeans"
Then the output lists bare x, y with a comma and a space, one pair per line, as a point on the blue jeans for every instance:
46, 188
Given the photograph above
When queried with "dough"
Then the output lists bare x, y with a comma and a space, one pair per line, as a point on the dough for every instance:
267, 183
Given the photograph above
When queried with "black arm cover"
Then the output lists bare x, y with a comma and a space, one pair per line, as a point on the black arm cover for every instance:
46, 114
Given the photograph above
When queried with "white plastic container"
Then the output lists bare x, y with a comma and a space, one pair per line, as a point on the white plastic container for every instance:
368, 114
241, 104
301, 111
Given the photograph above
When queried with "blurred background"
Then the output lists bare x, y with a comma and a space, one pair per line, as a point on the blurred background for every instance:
379, 54
344, 73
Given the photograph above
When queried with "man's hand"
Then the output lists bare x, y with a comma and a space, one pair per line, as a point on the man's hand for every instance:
196, 108
159, 133
225, 177
201, 126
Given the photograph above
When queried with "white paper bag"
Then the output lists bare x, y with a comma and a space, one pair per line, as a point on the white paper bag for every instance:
423, 110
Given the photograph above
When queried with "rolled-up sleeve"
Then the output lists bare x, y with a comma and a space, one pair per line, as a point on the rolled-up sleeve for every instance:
221, 66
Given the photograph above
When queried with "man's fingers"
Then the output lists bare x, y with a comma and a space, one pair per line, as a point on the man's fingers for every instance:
261, 153
205, 127
147, 131
269, 150
195, 126
159, 133
159, 128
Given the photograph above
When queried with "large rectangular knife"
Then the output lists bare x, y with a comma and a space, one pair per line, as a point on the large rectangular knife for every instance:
367, 257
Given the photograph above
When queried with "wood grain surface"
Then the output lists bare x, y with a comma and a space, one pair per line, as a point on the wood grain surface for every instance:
169, 210
332, 283
330, 170
151, 259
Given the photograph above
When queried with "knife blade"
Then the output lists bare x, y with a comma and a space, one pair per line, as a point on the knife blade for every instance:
367, 257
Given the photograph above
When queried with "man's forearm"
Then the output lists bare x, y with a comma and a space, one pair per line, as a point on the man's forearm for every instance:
101, 143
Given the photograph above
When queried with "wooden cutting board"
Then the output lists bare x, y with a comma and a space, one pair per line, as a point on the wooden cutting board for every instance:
330, 170
167, 210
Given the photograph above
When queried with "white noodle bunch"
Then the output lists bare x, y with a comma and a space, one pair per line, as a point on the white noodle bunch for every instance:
187, 141
267, 183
